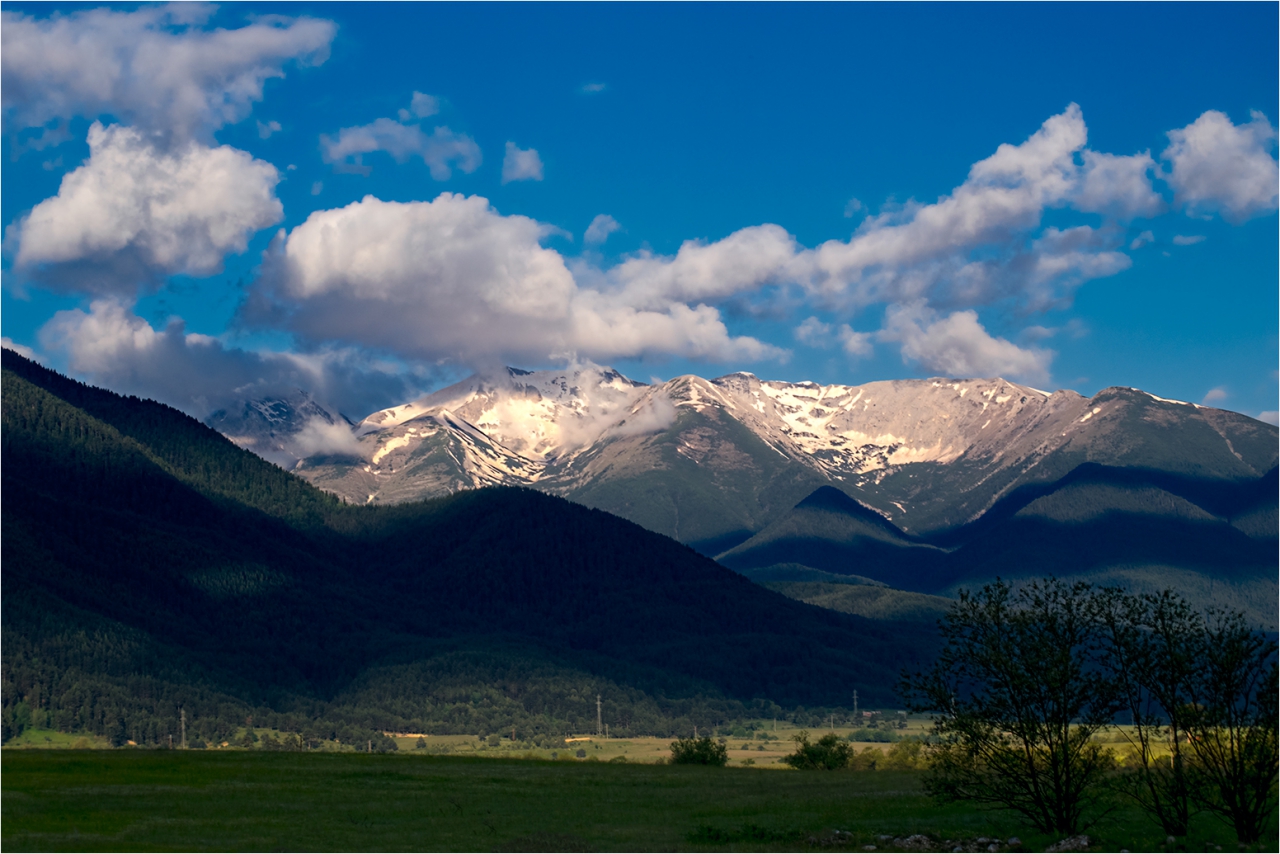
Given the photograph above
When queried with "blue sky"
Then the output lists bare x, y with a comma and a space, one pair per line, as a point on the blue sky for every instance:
206, 203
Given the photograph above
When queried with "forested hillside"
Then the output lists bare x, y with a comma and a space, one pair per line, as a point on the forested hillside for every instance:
151, 566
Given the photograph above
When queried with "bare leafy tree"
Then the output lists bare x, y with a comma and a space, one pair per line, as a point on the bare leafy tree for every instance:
1154, 646
1020, 696
1231, 724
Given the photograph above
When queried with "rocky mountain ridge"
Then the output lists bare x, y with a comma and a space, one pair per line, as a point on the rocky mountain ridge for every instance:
927, 454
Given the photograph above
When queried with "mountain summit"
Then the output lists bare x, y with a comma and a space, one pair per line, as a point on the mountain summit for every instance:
712, 462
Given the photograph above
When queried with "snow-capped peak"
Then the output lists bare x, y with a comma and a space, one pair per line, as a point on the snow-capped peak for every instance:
536, 414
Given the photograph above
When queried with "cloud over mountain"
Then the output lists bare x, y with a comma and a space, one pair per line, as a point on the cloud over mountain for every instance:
953, 284
199, 374
958, 346
453, 279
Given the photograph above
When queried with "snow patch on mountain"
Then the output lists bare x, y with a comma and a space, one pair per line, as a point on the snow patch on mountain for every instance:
516, 427
848, 431
538, 415
575, 431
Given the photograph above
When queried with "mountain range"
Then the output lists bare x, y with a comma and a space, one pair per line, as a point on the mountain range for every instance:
152, 565
926, 485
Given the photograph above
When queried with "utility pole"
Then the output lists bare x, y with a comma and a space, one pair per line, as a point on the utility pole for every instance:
599, 726
182, 713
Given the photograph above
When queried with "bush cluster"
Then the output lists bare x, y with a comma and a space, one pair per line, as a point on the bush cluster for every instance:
699, 751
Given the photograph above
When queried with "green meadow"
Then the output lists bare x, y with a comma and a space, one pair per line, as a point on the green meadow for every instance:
143, 800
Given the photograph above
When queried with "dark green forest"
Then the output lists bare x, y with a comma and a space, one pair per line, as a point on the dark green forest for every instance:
152, 566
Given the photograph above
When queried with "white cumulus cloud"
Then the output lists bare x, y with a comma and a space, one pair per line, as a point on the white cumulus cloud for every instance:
979, 244
958, 346
746, 260
1118, 186
21, 349
521, 164
135, 211
857, 344
600, 228
1188, 239
1215, 395
110, 345
1220, 167
442, 149
156, 67
813, 332
453, 279
421, 106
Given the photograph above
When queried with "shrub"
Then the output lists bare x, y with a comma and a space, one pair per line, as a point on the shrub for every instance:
905, 755
698, 751
868, 760
830, 753
882, 736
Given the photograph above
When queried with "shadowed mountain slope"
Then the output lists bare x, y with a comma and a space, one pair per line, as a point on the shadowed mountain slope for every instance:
828, 530
1215, 540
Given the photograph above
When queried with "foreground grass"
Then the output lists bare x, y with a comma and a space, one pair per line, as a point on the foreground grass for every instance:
163, 800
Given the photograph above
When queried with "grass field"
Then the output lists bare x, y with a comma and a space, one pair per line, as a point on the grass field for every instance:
765, 749
49, 739
80, 800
